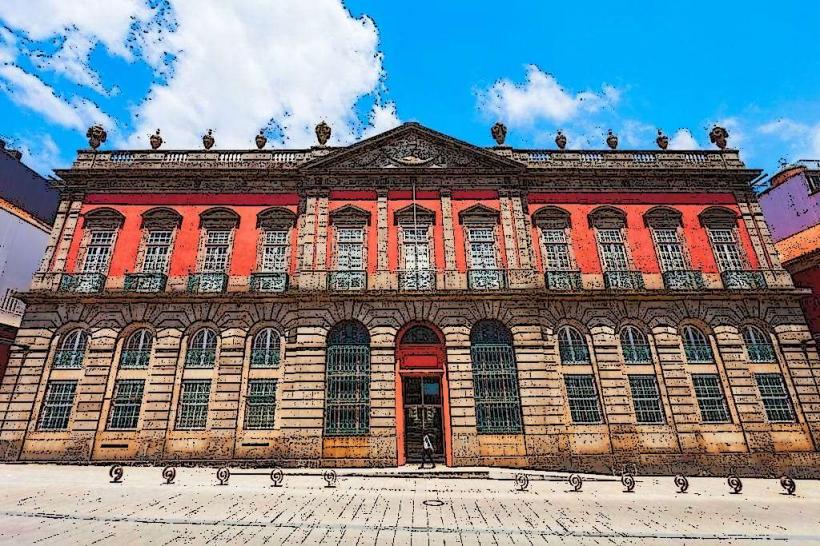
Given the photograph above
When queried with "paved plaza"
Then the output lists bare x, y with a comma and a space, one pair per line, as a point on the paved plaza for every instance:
50, 504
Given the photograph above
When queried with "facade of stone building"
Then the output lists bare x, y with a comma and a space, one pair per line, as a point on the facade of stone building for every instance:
556, 309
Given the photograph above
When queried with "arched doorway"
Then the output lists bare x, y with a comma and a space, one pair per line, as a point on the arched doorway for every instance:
422, 393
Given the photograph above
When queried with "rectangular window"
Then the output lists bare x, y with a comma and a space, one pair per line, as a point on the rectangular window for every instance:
99, 251
710, 397
193, 404
670, 250
556, 250
350, 249
725, 247
260, 404
416, 248
482, 247
613, 250
125, 405
57, 405
216, 250
157, 250
776, 399
275, 251
646, 399
814, 182
583, 399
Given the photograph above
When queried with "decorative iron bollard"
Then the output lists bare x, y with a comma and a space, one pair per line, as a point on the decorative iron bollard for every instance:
169, 474
628, 481
223, 475
522, 481
116, 473
681, 483
330, 477
735, 484
576, 482
277, 476
788, 484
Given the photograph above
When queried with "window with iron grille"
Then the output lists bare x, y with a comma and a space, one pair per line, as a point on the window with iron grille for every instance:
193, 404
646, 399
125, 404
776, 399
669, 249
416, 248
275, 251
217, 243
634, 346
157, 250
201, 350
482, 248
98, 251
347, 395
582, 395
350, 249
712, 402
572, 347
265, 350
613, 250
813, 180
726, 250
556, 250
137, 350
57, 405
696, 346
495, 379
758, 345
71, 353
260, 404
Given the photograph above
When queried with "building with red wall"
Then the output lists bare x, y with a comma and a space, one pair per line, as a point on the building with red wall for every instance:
561, 309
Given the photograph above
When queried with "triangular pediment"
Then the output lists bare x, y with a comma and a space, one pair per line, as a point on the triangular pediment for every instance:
412, 147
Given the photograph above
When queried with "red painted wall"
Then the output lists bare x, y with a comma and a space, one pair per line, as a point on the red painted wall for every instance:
810, 278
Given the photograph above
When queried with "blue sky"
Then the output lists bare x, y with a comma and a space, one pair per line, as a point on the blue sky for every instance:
185, 66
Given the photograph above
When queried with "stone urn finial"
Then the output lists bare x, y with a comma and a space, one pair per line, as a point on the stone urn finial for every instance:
662, 140
323, 133
718, 136
155, 140
611, 139
499, 132
208, 139
260, 139
561, 140
96, 135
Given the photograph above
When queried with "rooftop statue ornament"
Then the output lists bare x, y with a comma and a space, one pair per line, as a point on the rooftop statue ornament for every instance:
499, 132
261, 140
208, 139
718, 136
155, 140
662, 140
96, 135
323, 133
561, 140
611, 139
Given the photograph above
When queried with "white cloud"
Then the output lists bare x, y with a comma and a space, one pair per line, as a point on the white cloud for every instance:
7, 46
382, 118
802, 140
683, 140
541, 97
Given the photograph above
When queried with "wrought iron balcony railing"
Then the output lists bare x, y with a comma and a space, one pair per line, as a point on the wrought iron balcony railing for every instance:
261, 358
269, 281
68, 359
347, 280
417, 279
487, 279
698, 353
760, 352
145, 282
623, 280
683, 280
205, 283
83, 283
134, 359
200, 358
743, 280
574, 353
637, 354
562, 280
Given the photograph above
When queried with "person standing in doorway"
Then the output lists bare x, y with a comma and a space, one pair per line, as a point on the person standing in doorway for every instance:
427, 451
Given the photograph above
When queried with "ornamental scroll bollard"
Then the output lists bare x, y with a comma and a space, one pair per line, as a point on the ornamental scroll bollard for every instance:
735, 484
116, 472
330, 477
628, 481
788, 484
681, 483
223, 475
576, 482
277, 476
169, 474
522, 481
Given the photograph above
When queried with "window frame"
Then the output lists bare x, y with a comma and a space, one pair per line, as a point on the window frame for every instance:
183, 405
49, 405
783, 398
704, 397
260, 402
496, 389
645, 398
572, 343
572, 395
131, 405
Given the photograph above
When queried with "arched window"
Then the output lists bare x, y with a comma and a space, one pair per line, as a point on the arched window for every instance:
347, 382
634, 346
201, 349
137, 350
72, 350
696, 346
495, 379
419, 335
758, 345
265, 350
572, 347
